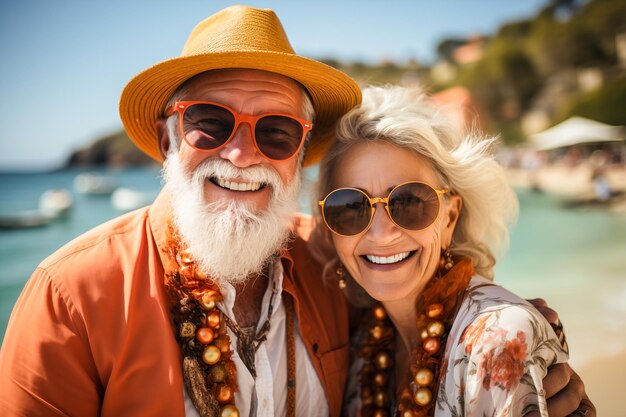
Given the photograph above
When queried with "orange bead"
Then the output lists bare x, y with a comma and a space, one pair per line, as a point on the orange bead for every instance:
213, 319
211, 355
379, 313
222, 343
205, 335
229, 411
434, 310
380, 379
377, 332
224, 394
431, 345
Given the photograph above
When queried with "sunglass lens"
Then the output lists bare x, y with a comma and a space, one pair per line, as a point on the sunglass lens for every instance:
278, 137
347, 212
207, 126
414, 206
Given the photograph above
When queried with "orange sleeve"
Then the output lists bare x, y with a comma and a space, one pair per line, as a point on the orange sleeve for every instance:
46, 341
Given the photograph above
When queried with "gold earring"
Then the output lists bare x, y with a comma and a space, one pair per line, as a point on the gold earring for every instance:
445, 261
341, 274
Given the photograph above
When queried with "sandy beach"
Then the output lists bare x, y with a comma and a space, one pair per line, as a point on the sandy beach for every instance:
604, 381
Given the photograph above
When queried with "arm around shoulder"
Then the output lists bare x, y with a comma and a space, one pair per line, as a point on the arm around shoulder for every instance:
505, 354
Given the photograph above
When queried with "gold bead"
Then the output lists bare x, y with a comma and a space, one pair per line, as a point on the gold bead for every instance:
434, 310
424, 334
208, 300
379, 313
431, 345
229, 410
377, 332
424, 377
382, 360
423, 396
211, 355
436, 329
381, 398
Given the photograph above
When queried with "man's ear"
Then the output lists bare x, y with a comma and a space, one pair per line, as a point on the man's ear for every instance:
163, 137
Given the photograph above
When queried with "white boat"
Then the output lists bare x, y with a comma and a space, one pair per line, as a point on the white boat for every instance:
56, 203
127, 199
94, 183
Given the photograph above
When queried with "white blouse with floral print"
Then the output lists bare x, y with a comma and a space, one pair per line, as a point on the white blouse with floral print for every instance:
497, 353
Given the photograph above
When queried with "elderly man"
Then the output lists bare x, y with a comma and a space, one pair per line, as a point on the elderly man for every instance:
203, 303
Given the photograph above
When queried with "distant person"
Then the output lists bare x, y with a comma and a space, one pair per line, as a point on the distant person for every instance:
417, 213
205, 303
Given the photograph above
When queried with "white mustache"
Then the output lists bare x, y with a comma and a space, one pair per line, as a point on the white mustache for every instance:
224, 170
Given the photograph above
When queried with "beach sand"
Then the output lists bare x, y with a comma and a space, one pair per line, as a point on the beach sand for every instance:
604, 382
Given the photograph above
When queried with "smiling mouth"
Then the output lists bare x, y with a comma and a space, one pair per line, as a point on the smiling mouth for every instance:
237, 186
387, 260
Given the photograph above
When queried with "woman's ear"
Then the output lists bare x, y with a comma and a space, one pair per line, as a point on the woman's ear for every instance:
163, 137
452, 212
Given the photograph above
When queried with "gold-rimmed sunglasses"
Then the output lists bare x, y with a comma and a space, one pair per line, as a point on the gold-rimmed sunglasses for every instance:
411, 205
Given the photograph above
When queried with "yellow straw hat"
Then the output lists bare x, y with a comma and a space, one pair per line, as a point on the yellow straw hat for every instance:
237, 37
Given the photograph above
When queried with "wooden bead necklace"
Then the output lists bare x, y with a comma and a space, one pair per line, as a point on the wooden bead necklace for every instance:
437, 307
209, 373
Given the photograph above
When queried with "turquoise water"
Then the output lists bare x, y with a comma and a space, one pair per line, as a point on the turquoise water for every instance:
574, 258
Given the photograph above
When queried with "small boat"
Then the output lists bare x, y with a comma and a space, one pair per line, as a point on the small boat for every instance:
23, 219
94, 183
127, 199
56, 203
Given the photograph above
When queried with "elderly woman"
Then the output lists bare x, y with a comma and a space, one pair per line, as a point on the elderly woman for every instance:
417, 214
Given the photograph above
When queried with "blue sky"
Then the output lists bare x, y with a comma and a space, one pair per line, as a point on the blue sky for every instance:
64, 63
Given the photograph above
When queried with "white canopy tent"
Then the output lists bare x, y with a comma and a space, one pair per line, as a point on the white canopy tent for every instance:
574, 131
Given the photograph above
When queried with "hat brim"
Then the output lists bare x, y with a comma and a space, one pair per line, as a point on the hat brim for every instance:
144, 98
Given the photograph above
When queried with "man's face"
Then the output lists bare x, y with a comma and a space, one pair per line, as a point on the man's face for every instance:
231, 233
250, 92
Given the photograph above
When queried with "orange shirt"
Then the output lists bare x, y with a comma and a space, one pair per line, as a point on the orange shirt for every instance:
91, 334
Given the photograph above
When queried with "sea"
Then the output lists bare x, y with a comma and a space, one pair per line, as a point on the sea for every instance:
575, 258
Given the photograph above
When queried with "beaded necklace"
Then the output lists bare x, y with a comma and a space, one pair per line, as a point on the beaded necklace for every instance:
209, 373
436, 307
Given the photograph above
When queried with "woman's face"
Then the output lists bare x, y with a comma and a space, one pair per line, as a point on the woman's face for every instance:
377, 168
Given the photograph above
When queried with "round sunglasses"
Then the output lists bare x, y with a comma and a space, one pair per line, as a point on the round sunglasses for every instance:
412, 205
208, 126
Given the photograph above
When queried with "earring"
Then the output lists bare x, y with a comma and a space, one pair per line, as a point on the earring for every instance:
341, 274
445, 261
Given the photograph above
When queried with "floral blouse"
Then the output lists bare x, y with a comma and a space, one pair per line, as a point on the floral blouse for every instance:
496, 355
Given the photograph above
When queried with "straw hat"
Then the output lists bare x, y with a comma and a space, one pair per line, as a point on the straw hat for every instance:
237, 37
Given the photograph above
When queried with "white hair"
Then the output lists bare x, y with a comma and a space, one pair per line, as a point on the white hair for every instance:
229, 240
463, 162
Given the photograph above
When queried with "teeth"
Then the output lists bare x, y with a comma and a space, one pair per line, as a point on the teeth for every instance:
383, 260
238, 186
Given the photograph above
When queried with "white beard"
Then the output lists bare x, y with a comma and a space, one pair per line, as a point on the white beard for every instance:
228, 240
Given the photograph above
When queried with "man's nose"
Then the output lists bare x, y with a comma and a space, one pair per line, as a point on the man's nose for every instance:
241, 150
